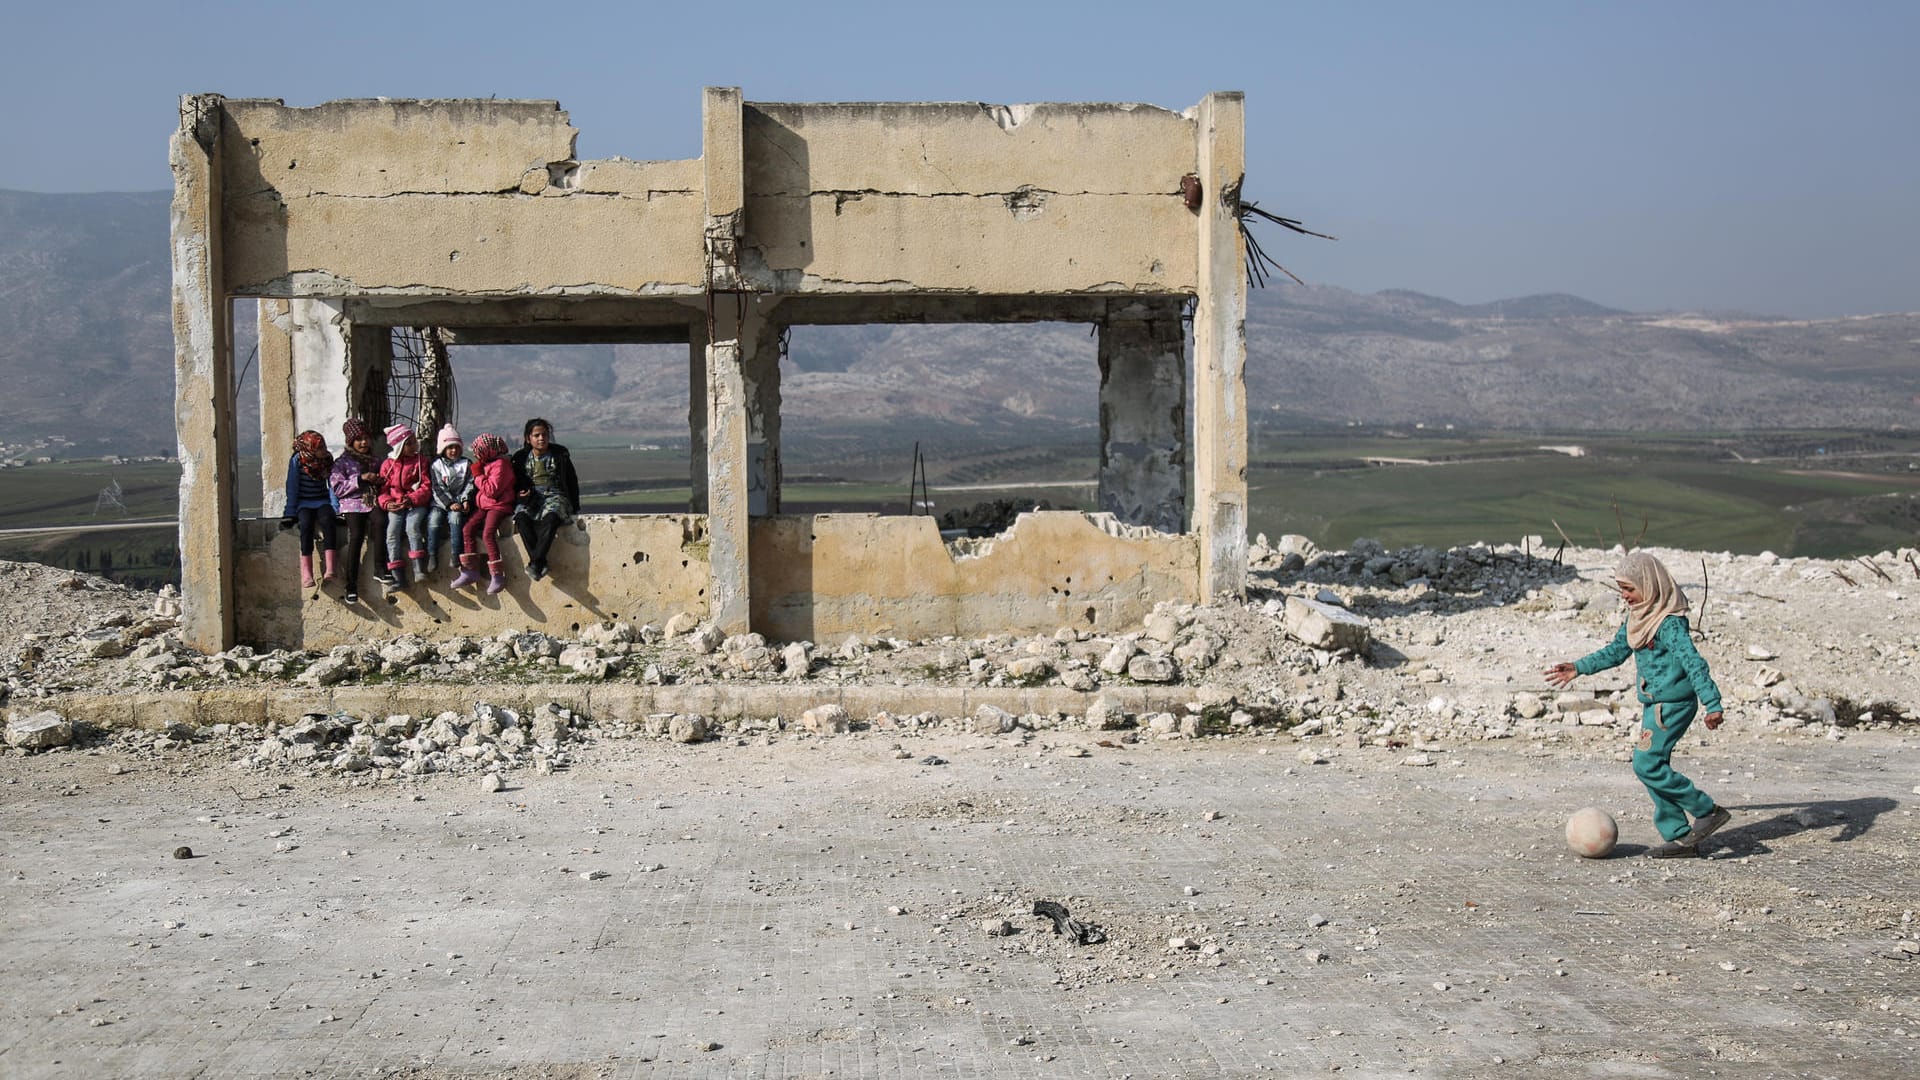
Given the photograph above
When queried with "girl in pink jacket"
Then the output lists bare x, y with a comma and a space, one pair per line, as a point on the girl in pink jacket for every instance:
494, 499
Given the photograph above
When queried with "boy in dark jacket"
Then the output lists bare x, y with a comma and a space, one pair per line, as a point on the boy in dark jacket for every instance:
548, 490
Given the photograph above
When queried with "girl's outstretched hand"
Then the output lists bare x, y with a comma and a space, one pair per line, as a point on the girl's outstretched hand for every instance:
1561, 674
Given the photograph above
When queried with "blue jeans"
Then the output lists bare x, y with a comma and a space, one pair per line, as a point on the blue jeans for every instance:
439, 521
406, 534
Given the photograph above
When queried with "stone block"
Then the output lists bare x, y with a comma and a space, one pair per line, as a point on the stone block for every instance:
1323, 626
827, 719
1148, 668
992, 720
40, 731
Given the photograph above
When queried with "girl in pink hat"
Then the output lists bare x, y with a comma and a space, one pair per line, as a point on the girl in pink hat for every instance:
405, 490
453, 493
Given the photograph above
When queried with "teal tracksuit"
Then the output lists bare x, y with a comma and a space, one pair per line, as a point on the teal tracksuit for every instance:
1674, 687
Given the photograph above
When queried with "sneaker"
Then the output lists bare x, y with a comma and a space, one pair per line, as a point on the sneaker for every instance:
1682, 848
351, 596
1705, 827
537, 571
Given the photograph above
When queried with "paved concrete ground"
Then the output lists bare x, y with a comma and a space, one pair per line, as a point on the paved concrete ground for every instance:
327, 930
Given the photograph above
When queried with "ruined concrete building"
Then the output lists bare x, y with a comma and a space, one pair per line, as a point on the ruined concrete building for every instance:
353, 218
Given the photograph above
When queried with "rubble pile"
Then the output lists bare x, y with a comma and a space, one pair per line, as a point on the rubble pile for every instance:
1417, 649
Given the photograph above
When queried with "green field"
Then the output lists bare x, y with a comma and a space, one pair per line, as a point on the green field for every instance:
1828, 494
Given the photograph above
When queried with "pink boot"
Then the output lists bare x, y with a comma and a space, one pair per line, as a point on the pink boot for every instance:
306, 571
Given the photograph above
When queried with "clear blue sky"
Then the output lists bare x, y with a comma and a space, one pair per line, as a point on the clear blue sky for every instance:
1754, 156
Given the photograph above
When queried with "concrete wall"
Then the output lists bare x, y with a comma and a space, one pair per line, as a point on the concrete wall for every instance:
421, 197
1067, 198
641, 568
820, 577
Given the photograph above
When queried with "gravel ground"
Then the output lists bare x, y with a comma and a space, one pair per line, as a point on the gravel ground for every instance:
1335, 859
817, 906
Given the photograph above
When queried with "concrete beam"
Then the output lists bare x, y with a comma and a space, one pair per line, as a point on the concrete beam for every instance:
203, 378
1143, 415
1220, 352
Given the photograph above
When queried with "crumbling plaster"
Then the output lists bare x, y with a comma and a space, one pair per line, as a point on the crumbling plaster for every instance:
904, 197
640, 568
821, 577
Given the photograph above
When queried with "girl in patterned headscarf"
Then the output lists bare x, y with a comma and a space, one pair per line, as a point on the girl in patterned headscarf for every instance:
310, 503
1674, 685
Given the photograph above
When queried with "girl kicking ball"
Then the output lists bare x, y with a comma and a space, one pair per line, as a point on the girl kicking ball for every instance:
1674, 685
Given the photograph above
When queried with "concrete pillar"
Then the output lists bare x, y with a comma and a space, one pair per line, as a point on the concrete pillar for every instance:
760, 357
1220, 352
1143, 414
730, 319
203, 379
729, 478
697, 417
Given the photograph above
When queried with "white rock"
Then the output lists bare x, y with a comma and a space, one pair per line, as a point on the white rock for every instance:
1309, 756
707, 639
1760, 652
40, 731
1029, 667
1163, 626
683, 623
1323, 626
1104, 715
1148, 668
992, 720
687, 729
491, 783
1117, 657
828, 719
796, 659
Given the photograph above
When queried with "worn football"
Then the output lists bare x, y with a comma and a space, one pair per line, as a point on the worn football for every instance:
1591, 833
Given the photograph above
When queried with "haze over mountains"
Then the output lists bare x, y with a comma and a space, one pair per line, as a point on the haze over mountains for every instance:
86, 351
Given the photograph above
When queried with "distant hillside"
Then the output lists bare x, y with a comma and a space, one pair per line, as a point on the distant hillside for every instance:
86, 351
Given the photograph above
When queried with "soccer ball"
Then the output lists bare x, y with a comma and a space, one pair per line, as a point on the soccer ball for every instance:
1591, 833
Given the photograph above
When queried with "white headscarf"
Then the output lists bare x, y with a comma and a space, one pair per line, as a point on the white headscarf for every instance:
1659, 596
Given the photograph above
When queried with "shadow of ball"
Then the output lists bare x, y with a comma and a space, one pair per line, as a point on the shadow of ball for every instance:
1591, 833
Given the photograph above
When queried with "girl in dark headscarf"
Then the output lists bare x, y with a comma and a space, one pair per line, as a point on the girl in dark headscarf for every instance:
310, 503
1674, 685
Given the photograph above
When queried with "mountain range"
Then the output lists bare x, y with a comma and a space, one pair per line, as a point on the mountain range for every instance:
86, 352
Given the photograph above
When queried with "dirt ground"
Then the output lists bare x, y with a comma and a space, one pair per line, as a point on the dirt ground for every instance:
819, 907
1329, 862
